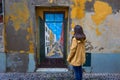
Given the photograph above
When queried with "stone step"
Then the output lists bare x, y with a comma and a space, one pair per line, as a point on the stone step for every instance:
52, 70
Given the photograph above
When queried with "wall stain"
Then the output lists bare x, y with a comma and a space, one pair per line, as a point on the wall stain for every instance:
51, 1
101, 48
31, 47
15, 40
19, 27
98, 33
78, 9
72, 26
102, 10
89, 0
29, 37
89, 47
19, 14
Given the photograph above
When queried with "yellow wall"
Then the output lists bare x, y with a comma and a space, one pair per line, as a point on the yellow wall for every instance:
100, 26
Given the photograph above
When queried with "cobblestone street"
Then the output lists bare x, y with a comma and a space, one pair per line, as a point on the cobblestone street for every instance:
58, 76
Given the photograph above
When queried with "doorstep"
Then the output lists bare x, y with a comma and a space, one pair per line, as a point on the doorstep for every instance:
52, 70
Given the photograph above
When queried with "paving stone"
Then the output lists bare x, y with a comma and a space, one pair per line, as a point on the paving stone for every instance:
58, 76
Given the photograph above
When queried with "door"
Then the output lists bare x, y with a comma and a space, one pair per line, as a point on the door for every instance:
53, 37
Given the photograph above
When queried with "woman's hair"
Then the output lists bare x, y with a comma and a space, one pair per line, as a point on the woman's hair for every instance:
78, 33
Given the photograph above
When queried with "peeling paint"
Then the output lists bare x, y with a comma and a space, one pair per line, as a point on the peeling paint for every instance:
72, 25
88, 46
22, 51
50, 1
89, 0
78, 9
29, 30
31, 47
102, 10
19, 14
27, 37
21, 25
98, 33
72, 32
99, 25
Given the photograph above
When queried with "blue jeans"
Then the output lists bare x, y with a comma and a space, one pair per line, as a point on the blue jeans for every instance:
77, 72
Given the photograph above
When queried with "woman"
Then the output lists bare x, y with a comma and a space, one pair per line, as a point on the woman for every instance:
76, 58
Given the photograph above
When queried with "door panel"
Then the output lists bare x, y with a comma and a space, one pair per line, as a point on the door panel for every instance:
53, 37
65, 38
42, 39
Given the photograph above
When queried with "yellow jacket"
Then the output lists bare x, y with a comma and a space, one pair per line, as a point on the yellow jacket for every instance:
77, 53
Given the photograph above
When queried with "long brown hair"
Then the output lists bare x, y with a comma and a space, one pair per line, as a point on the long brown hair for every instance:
78, 33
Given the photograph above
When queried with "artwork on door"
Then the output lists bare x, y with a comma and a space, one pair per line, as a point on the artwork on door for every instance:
54, 35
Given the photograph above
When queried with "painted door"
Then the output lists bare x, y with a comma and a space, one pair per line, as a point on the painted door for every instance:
53, 37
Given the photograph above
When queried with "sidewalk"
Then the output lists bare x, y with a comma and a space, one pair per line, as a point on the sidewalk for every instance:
58, 76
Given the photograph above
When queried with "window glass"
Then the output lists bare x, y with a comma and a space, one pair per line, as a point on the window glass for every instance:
49, 17
58, 17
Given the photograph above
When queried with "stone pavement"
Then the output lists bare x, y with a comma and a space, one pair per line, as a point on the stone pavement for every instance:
58, 76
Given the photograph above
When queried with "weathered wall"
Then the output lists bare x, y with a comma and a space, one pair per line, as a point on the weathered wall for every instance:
17, 62
52, 2
19, 28
1, 37
100, 20
19, 42
2, 62
100, 23
2, 53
